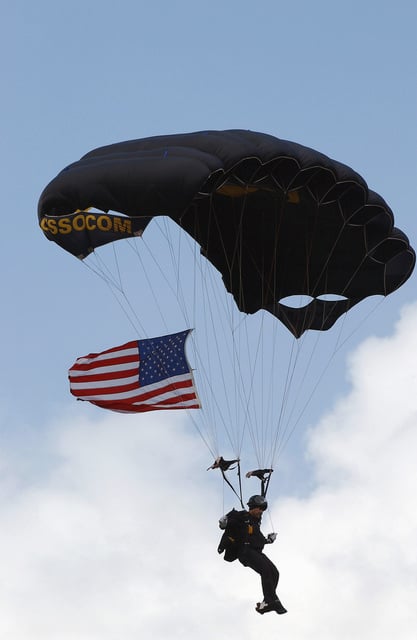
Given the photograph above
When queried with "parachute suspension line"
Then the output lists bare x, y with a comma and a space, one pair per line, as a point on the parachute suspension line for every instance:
117, 292
283, 435
258, 433
308, 400
256, 430
228, 425
272, 434
302, 381
206, 372
116, 261
284, 429
211, 336
279, 445
242, 392
138, 255
203, 366
280, 429
286, 423
211, 340
259, 423
282, 420
227, 351
261, 427
360, 324
273, 425
178, 293
276, 401
102, 270
116, 288
246, 397
176, 259
265, 426
230, 428
293, 420
288, 431
277, 422
246, 390
200, 433
337, 347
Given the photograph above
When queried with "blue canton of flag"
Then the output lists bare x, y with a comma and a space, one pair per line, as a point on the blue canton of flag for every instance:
162, 358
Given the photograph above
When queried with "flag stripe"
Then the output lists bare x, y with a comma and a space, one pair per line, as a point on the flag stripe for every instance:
129, 392
130, 348
185, 402
93, 377
101, 382
171, 384
107, 365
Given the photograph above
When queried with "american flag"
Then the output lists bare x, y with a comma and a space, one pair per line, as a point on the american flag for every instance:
142, 375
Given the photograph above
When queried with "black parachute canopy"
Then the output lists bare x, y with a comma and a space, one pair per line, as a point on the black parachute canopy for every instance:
277, 219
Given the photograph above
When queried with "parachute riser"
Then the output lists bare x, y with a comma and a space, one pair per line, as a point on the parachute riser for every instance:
264, 475
226, 465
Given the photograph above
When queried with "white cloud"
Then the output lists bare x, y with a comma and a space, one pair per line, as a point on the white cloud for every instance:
117, 537
113, 532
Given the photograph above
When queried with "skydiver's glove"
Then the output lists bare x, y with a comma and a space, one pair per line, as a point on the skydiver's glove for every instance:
223, 522
270, 538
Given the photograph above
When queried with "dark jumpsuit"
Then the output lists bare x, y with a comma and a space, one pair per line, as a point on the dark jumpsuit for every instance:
247, 532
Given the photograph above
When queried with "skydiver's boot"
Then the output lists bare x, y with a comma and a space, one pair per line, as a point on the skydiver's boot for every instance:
262, 607
276, 605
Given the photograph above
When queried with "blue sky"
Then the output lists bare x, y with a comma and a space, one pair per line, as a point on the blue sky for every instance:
84, 74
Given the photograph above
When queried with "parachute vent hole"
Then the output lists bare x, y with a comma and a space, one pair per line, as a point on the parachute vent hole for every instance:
296, 302
331, 297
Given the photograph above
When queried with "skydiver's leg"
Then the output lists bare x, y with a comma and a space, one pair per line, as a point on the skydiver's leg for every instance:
265, 568
269, 578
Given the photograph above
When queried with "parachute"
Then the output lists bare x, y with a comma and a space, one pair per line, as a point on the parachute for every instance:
276, 219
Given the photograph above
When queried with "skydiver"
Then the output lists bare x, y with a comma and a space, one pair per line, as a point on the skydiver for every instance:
243, 540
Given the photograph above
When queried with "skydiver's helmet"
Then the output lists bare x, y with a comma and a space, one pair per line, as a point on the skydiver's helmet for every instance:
257, 502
